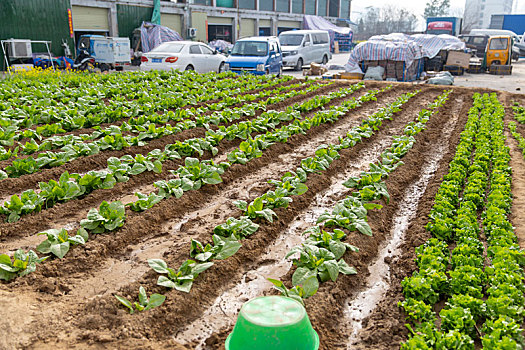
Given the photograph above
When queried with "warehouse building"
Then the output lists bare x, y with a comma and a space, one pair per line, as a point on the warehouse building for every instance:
207, 19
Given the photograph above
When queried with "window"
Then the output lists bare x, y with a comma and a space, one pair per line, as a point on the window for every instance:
333, 8
250, 48
168, 47
291, 39
345, 8
307, 38
320, 38
321, 7
297, 6
247, 4
206, 50
195, 49
498, 44
281, 5
266, 5
478, 40
309, 7
202, 2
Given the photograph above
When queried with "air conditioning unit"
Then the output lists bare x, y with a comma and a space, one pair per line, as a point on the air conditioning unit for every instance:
19, 48
192, 32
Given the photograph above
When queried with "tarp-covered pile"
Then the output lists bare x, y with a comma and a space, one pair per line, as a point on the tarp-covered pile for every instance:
220, 45
152, 35
401, 47
319, 23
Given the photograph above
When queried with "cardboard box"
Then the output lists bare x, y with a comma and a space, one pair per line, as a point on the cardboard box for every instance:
345, 75
457, 58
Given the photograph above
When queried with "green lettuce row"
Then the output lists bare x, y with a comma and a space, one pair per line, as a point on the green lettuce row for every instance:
135, 124
519, 112
426, 286
504, 306
191, 176
114, 140
176, 93
71, 186
75, 118
467, 280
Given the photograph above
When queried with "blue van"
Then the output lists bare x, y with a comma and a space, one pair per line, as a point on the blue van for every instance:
257, 55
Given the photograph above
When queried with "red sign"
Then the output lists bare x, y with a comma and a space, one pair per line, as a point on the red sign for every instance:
440, 25
70, 20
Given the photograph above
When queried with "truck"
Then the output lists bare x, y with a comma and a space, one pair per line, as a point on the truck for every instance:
108, 52
444, 25
514, 23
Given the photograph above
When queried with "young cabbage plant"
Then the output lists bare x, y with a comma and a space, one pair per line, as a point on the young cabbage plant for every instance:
23, 263
58, 242
182, 279
144, 302
299, 293
110, 217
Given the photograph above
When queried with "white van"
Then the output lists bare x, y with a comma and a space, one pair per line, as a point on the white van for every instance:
301, 47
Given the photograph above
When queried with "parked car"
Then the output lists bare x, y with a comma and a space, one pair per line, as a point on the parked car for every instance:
183, 55
476, 42
301, 47
256, 55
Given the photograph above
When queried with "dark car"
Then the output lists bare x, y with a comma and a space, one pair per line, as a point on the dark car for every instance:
477, 42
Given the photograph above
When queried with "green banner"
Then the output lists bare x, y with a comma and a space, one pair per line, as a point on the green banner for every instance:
155, 17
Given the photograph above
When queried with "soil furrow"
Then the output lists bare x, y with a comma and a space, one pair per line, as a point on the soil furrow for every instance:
385, 327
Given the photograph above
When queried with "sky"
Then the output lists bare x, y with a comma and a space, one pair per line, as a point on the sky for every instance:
417, 6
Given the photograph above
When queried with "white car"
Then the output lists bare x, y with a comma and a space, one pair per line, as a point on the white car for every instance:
183, 55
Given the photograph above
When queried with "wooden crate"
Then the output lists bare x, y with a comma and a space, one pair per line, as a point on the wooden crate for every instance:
502, 69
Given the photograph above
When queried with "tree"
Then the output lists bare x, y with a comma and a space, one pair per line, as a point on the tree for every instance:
436, 8
385, 20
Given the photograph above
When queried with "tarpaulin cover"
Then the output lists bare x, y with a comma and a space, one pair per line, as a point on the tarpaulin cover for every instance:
220, 45
401, 47
152, 35
319, 23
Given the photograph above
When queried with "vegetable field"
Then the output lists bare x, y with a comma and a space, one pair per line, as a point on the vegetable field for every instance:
142, 210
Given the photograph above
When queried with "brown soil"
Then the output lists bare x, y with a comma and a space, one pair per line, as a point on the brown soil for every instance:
75, 294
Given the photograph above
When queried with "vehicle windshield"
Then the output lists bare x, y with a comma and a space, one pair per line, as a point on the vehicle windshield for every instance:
498, 43
250, 48
169, 47
291, 39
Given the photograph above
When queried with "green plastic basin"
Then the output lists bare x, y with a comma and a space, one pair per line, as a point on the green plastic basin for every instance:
273, 322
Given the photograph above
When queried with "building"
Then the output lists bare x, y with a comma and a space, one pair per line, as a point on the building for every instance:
212, 19
478, 12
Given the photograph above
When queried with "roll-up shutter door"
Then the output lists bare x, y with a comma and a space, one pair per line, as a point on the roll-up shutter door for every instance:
90, 18
172, 21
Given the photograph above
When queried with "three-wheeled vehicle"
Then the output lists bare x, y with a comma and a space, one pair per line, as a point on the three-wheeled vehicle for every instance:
109, 53
498, 55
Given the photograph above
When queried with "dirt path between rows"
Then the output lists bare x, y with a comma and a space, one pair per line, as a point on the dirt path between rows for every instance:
517, 163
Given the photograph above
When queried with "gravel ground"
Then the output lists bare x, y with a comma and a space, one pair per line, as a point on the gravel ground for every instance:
512, 83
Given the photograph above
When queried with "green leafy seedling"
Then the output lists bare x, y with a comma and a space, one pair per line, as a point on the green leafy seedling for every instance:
144, 302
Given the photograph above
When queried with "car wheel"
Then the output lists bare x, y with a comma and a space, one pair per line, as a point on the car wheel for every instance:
190, 67
299, 64
104, 67
221, 67
325, 59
